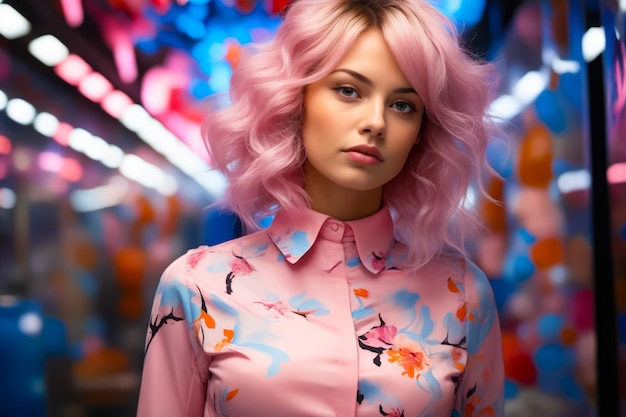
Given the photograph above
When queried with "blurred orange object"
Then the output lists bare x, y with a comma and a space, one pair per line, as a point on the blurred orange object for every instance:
233, 53
102, 362
130, 267
493, 212
535, 157
145, 211
130, 305
547, 253
104, 377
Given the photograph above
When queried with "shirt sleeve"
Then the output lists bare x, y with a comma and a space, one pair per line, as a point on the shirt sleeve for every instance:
480, 392
171, 383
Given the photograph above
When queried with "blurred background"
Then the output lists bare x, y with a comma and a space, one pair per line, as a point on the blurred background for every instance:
104, 180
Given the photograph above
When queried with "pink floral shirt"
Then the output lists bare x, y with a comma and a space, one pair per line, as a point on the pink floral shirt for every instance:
316, 317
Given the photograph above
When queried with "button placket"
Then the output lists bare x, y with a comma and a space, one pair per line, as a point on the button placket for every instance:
332, 254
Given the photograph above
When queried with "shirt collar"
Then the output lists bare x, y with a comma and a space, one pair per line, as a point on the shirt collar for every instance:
294, 235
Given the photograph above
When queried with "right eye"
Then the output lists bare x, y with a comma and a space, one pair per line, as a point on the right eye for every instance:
346, 91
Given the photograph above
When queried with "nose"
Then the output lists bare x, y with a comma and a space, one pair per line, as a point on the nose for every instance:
373, 122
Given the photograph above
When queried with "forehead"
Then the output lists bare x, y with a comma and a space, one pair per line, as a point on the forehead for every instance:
371, 56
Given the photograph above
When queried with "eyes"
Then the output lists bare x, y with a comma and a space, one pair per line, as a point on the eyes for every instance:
349, 92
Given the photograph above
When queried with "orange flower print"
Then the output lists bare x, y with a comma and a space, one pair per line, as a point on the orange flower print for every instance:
452, 287
410, 356
228, 338
361, 292
204, 318
473, 409
457, 358
232, 394
462, 313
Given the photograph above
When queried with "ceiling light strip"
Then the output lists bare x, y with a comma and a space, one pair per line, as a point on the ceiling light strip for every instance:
93, 85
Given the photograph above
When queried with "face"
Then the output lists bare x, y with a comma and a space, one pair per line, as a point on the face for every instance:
360, 121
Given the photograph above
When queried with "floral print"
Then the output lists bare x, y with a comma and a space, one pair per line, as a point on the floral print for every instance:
378, 339
411, 357
239, 266
157, 324
393, 412
314, 316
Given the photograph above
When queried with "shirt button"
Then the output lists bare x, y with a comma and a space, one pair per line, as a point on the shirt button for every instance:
334, 227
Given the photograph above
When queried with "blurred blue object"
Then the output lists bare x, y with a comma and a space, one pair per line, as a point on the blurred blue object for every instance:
500, 158
511, 389
550, 111
465, 13
221, 226
502, 291
22, 358
549, 327
517, 268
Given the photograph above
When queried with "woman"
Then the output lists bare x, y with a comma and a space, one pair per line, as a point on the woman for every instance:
359, 127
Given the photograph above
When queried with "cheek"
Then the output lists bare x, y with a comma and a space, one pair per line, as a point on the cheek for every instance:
314, 126
407, 143
311, 136
405, 151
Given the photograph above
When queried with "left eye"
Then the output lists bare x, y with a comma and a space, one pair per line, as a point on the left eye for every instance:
403, 106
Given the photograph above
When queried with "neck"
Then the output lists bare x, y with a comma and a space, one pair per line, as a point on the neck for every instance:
340, 202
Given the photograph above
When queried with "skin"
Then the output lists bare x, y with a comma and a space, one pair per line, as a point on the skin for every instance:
365, 100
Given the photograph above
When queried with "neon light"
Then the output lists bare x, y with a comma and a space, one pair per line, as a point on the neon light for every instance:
50, 161
46, 124
574, 181
7, 198
594, 42
94, 86
12, 24
73, 69
62, 134
116, 103
113, 157
71, 170
20, 111
49, 50
73, 11
3, 100
123, 53
66, 168
616, 174
5, 145
98, 198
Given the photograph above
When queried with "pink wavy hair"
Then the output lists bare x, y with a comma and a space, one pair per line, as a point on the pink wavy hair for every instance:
256, 141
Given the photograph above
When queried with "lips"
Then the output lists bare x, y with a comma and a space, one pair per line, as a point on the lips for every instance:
367, 150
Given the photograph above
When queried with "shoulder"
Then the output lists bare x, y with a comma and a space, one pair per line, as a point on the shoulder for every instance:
463, 273
208, 259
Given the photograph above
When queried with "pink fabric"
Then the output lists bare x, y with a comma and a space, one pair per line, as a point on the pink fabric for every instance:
316, 317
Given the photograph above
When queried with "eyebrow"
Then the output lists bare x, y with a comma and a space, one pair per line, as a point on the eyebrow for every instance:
364, 79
